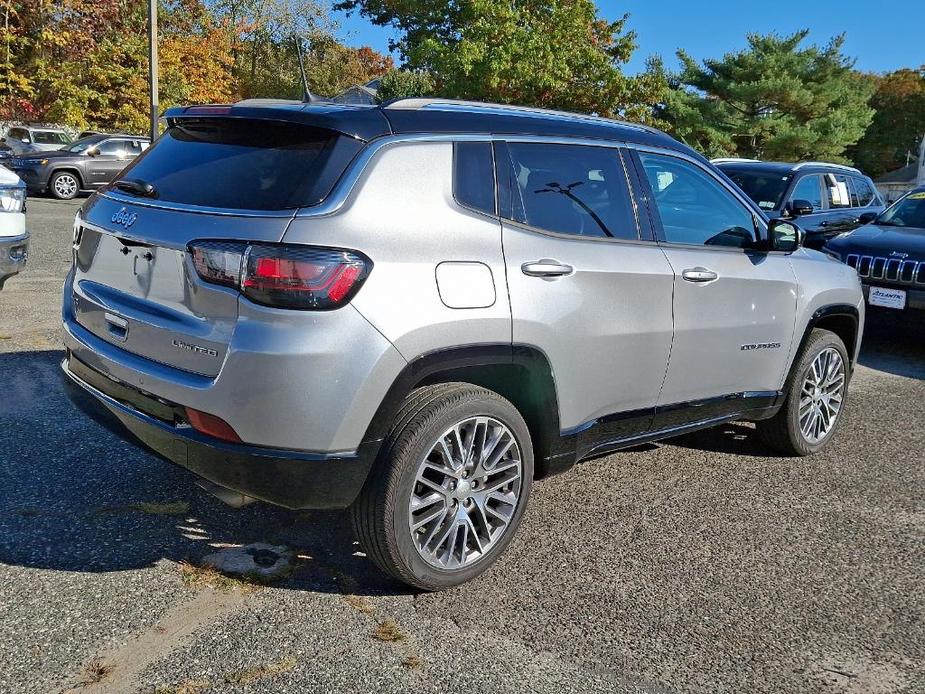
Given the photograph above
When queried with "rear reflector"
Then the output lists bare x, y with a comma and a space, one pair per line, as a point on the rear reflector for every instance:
210, 425
297, 277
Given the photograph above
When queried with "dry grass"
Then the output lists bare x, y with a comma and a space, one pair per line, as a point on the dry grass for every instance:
209, 577
412, 662
186, 687
94, 672
259, 672
359, 603
389, 631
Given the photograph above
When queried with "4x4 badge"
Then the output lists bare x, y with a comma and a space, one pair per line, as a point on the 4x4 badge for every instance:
124, 218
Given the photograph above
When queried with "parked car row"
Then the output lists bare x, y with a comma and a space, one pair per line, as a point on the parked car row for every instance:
827, 198
86, 164
50, 162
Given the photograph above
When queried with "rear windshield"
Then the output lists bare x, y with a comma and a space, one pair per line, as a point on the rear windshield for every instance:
766, 188
243, 164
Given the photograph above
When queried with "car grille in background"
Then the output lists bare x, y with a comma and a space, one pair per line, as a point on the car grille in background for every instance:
888, 269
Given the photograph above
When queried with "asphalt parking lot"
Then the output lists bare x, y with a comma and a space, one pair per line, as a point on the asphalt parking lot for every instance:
696, 565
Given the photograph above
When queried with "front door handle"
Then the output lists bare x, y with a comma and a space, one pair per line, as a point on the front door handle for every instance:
699, 274
546, 268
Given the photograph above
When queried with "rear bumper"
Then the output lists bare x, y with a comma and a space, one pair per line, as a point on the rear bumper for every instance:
292, 479
14, 252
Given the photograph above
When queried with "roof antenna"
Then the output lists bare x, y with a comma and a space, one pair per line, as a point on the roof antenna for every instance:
307, 96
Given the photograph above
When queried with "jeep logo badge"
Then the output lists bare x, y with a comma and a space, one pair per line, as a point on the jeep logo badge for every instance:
124, 218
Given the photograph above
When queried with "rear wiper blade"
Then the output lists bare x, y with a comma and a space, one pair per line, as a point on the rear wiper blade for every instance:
135, 186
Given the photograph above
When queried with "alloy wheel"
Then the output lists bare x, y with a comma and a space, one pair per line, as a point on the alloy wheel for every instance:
465, 493
821, 395
66, 186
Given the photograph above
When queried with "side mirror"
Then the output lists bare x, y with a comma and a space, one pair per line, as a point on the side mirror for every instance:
868, 217
784, 236
798, 208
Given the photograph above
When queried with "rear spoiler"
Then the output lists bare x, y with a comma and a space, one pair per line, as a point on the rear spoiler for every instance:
358, 122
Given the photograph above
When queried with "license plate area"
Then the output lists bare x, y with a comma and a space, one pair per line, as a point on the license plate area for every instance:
887, 298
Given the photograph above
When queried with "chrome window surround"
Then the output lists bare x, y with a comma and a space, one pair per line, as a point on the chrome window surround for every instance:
345, 186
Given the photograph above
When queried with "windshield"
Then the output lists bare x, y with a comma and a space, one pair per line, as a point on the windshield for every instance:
50, 137
908, 212
81, 145
766, 188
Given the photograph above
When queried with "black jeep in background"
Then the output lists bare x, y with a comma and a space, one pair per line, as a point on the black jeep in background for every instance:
828, 198
86, 164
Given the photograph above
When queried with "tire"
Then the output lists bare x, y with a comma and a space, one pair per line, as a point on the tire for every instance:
382, 514
784, 432
64, 185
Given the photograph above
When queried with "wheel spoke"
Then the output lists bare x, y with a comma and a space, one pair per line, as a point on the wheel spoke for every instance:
821, 395
466, 492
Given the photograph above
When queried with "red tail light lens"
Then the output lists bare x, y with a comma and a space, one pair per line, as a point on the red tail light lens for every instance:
296, 277
210, 425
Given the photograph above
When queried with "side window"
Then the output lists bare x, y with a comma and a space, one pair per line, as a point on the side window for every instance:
134, 148
694, 207
474, 176
807, 188
836, 186
112, 148
865, 192
570, 189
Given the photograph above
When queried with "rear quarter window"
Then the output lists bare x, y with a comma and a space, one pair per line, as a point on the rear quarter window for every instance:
474, 176
244, 164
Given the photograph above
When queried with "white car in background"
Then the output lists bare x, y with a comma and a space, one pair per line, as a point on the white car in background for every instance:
14, 239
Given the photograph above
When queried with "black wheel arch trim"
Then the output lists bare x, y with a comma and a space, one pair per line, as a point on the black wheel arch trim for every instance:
506, 369
831, 311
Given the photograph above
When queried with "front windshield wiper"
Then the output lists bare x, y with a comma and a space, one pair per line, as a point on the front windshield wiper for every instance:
135, 186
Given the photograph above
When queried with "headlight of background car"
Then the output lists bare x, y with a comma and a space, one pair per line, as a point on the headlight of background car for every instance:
12, 198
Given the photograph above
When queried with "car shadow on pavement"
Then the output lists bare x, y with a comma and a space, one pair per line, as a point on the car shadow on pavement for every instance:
894, 343
76, 496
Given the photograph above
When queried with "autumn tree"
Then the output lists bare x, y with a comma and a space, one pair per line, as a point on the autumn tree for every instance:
772, 100
552, 53
898, 126
398, 84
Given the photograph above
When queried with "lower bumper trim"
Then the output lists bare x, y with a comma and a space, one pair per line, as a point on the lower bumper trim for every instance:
292, 479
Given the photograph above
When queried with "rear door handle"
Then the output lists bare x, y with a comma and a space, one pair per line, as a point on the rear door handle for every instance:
546, 268
699, 274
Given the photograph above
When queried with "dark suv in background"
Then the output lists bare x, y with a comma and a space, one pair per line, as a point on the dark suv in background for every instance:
828, 198
86, 164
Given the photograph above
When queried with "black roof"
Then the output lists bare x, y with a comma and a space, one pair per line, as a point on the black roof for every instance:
407, 116
783, 167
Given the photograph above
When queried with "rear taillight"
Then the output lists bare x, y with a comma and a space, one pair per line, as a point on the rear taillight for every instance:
297, 277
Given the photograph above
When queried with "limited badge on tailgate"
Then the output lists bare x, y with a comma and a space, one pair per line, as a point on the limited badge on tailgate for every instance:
887, 298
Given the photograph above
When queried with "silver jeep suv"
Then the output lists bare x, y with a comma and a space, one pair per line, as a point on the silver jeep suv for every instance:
416, 310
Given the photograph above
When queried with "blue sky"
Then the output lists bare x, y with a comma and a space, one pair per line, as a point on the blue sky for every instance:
882, 34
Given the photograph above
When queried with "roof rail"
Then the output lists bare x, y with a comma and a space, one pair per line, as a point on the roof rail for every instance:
729, 160
459, 105
825, 163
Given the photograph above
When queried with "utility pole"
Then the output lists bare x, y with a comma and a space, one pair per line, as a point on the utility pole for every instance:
152, 65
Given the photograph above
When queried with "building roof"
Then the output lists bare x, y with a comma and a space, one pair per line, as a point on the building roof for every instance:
906, 174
